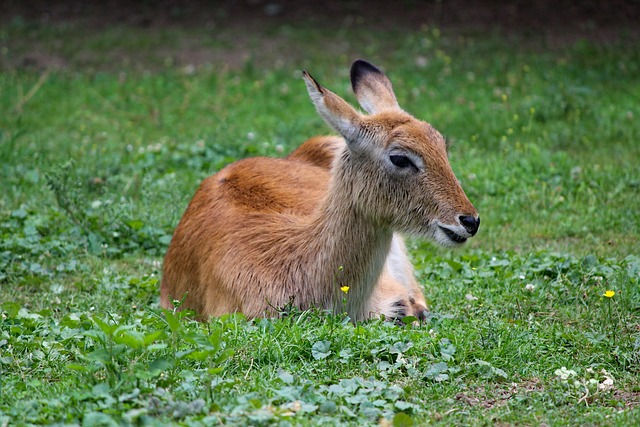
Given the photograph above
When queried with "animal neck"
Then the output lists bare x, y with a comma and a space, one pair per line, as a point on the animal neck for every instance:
352, 247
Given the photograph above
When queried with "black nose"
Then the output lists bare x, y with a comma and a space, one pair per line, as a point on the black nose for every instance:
470, 223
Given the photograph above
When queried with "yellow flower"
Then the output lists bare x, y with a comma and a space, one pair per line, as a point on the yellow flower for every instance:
344, 289
609, 294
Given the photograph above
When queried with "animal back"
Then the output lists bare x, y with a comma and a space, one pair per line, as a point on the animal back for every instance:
271, 185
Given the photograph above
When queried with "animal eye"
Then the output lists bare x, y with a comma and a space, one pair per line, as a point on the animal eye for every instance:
401, 161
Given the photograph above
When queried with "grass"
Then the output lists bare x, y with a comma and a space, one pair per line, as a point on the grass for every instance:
99, 160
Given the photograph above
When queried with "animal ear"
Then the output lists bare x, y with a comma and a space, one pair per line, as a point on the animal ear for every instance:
372, 88
334, 110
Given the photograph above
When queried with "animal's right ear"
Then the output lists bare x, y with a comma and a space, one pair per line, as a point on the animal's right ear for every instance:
334, 110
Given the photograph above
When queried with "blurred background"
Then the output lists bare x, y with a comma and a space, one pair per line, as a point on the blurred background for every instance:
230, 33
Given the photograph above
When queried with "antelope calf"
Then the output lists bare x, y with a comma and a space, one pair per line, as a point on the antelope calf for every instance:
265, 232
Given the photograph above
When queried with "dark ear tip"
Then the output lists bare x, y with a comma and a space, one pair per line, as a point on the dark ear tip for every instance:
360, 68
309, 77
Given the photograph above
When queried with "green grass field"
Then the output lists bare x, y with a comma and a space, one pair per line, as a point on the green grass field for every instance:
100, 156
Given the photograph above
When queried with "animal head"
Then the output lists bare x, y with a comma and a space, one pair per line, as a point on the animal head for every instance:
396, 166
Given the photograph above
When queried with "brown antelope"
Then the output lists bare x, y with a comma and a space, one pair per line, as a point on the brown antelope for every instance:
265, 232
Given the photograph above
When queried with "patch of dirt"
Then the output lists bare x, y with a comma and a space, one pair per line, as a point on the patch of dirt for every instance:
501, 396
498, 397
631, 399
42, 60
591, 18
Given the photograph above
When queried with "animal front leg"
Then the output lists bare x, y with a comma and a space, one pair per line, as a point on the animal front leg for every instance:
394, 300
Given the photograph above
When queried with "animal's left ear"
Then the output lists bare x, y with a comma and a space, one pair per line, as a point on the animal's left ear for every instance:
372, 88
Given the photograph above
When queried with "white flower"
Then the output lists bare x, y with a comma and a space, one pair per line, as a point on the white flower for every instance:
607, 384
565, 373
530, 287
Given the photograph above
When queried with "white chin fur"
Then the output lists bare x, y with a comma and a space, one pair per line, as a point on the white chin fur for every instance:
435, 233
441, 238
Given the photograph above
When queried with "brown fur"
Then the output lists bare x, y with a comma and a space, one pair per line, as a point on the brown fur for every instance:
263, 232
396, 285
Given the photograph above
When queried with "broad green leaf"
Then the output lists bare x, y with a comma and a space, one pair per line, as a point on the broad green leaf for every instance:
401, 419
224, 355
104, 326
153, 336
77, 367
98, 419
135, 224
320, 350
160, 364
172, 320
447, 349
437, 371
131, 340
408, 320
199, 355
457, 267
11, 308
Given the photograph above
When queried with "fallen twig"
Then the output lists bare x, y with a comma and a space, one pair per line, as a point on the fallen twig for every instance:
36, 87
